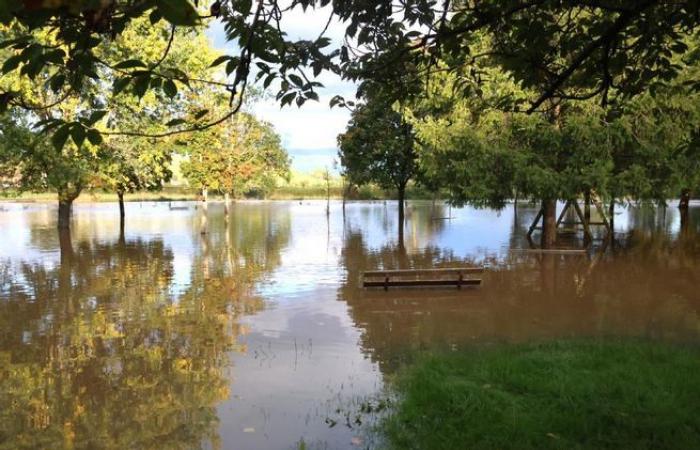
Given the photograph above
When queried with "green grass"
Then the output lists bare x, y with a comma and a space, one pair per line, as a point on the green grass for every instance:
91, 197
568, 395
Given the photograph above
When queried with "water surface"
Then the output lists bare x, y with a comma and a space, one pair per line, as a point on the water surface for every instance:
257, 334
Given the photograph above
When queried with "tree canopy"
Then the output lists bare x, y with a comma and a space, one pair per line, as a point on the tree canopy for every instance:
562, 50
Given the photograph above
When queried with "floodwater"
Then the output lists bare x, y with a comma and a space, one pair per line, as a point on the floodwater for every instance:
257, 335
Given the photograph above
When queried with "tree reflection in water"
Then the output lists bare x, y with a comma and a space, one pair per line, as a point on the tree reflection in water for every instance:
99, 351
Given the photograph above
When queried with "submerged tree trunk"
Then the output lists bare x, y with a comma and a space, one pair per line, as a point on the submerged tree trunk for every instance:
402, 199
346, 189
64, 212
684, 209
549, 223
65, 245
65, 207
120, 195
611, 214
122, 237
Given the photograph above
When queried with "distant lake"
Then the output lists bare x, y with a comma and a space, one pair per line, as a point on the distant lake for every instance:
257, 334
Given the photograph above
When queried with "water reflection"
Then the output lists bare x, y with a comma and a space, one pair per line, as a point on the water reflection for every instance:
646, 287
98, 351
257, 334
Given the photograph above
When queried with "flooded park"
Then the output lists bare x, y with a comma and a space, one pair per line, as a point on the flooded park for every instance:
315, 224
258, 334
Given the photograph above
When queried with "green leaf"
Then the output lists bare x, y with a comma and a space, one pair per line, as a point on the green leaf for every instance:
155, 16
11, 63
55, 56
220, 60
57, 82
175, 122
48, 125
77, 132
296, 80
94, 136
129, 64
232, 65
178, 12
19, 40
268, 80
141, 85
170, 88
96, 116
60, 136
201, 113
120, 84
312, 95
288, 98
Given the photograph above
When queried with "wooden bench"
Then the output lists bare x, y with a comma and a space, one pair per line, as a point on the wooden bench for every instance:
454, 276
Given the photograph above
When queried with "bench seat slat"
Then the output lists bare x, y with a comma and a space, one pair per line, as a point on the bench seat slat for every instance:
412, 283
420, 272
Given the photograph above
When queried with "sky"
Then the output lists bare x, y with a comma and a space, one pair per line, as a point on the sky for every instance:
308, 133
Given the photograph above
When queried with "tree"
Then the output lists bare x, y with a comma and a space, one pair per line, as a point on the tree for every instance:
64, 42
584, 48
379, 147
135, 165
81, 157
245, 156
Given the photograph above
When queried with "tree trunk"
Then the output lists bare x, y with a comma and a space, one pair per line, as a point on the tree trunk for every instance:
65, 245
345, 196
205, 194
402, 198
122, 237
587, 206
120, 195
227, 200
549, 223
684, 203
65, 207
684, 209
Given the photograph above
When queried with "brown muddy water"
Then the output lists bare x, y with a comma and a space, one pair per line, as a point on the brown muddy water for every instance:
256, 335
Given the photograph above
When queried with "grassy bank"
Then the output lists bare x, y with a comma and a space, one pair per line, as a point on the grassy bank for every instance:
92, 197
576, 394
285, 191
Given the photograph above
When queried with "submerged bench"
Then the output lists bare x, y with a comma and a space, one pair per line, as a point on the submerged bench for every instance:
455, 276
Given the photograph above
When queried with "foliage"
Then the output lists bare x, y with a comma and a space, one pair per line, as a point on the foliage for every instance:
245, 156
378, 146
63, 43
71, 154
569, 49
575, 394
482, 155
138, 165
